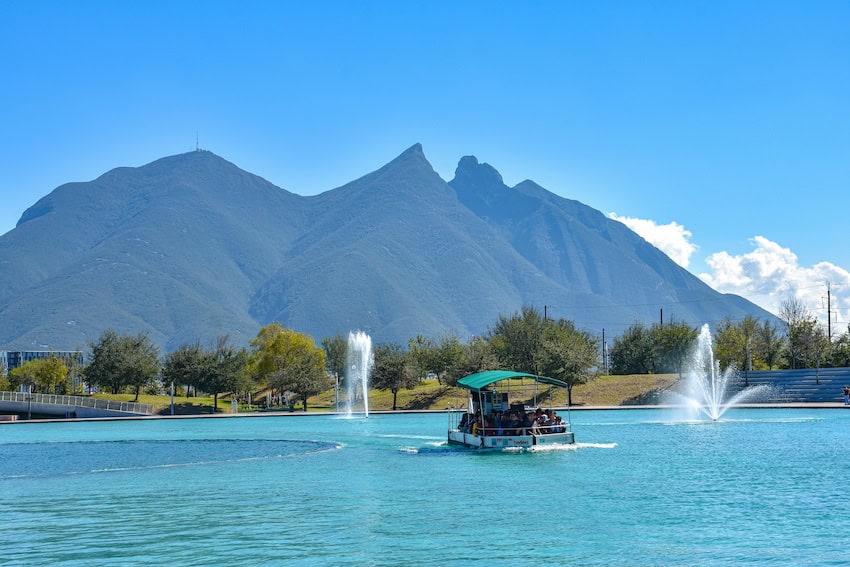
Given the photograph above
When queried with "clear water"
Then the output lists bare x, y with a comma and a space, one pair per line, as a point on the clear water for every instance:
765, 487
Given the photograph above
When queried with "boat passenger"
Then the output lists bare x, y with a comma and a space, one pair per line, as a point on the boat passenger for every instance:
537, 423
557, 427
525, 423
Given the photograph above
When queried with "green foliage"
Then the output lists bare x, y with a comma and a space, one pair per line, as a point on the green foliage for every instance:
475, 356
632, 352
185, 366
516, 340
288, 361
393, 370
672, 346
422, 356
45, 375
840, 352
336, 354
226, 369
800, 331
123, 361
769, 344
447, 360
566, 353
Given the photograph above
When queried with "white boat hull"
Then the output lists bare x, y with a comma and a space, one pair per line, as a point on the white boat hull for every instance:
506, 441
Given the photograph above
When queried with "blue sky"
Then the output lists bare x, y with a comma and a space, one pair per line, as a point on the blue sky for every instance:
718, 130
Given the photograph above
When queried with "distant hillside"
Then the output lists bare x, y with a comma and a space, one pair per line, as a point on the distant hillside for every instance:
190, 247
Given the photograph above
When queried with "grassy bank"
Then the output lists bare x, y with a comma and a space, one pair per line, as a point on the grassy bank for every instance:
429, 394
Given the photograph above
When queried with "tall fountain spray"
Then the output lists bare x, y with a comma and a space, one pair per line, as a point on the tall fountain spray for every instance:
360, 362
707, 385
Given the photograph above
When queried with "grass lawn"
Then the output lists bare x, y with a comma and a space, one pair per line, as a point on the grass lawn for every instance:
600, 391
182, 405
429, 394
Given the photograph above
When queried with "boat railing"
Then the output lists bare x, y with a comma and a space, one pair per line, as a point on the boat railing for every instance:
563, 427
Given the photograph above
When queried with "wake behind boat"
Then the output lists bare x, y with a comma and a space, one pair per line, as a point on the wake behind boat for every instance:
497, 417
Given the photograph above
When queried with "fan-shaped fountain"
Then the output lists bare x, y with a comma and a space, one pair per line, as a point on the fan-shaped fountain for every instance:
360, 362
707, 386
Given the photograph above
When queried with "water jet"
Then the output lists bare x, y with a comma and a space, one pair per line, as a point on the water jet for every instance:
359, 364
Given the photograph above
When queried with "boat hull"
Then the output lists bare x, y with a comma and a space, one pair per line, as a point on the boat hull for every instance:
509, 441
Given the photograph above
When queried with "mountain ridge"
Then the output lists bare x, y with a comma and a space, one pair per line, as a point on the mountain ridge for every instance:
189, 247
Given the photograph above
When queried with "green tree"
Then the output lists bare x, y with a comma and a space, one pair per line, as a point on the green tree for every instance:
141, 362
226, 369
840, 356
799, 327
23, 375
516, 340
729, 345
104, 367
769, 343
632, 352
186, 365
289, 361
672, 345
422, 356
336, 355
393, 370
568, 354
475, 356
447, 360
50, 374
122, 361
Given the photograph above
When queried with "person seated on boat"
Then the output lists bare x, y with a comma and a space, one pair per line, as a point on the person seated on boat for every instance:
488, 428
494, 422
537, 423
556, 425
525, 421
464, 423
509, 423
546, 422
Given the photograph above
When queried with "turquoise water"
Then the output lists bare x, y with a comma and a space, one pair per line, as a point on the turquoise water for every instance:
763, 487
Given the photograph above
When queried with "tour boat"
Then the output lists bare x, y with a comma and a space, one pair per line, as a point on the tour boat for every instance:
497, 417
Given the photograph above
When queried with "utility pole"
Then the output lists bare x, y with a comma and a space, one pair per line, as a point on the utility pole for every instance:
661, 316
545, 312
604, 354
828, 313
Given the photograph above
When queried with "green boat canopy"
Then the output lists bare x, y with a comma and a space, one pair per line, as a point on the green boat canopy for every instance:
479, 380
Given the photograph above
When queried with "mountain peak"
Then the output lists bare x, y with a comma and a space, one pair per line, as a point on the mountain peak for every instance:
410, 160
478, 176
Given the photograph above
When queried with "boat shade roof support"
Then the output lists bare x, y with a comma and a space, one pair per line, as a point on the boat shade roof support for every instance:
479, 380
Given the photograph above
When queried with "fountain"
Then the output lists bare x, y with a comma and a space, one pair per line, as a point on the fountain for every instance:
359, 364
707, 385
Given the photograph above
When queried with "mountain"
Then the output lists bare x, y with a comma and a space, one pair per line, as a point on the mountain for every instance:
191, 247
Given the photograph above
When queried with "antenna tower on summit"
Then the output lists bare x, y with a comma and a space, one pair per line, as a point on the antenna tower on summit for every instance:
197, 148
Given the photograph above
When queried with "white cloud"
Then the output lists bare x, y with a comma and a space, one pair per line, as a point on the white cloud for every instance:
770, 274
767, 276
672, 239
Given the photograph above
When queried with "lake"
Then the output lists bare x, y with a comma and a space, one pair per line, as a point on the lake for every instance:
640, 487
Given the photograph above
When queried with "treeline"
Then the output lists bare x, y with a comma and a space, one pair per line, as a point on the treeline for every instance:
799, 341
290, 364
